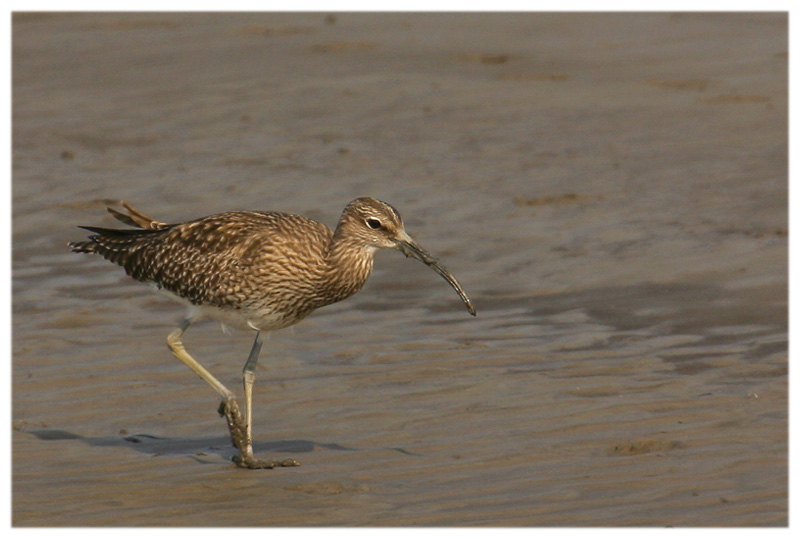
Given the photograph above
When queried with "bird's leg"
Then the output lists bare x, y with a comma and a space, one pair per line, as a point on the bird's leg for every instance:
176, 346
248, 378
229, 408
245, 445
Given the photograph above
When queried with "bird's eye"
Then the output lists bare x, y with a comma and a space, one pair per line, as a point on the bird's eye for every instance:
373, 223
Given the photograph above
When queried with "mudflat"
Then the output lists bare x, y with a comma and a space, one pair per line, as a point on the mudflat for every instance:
610, 189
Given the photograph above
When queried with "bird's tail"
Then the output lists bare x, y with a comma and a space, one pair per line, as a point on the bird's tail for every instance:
105, 241
137, 219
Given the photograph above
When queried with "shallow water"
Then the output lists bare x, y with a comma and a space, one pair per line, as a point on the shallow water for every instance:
609, 189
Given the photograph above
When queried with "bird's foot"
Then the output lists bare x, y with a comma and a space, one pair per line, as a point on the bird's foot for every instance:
237, 427
259, 464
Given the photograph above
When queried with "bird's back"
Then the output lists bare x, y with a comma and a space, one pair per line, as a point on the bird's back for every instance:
253, 263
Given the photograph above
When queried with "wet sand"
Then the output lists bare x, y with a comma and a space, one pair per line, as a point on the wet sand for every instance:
610, 189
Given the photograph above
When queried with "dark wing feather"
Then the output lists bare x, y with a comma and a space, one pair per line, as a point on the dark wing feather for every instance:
115, 245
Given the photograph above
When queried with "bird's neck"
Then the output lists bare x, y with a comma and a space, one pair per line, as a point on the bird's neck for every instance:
349, 264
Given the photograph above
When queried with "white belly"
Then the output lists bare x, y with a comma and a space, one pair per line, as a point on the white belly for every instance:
233, 318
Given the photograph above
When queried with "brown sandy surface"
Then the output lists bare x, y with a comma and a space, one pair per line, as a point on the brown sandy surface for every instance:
610, 189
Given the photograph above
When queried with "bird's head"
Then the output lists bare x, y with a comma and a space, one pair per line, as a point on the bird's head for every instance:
378, 225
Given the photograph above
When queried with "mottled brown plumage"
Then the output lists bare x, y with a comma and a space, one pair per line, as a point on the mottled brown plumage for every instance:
257, 270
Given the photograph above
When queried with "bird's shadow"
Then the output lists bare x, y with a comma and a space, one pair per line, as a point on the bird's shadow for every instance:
195, 448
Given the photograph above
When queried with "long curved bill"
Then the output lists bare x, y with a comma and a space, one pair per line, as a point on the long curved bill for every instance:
410, 248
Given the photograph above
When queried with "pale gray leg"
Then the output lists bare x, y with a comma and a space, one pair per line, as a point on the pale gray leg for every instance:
248, 378
247, 459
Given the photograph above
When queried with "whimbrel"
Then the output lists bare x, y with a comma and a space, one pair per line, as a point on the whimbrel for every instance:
256, 270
